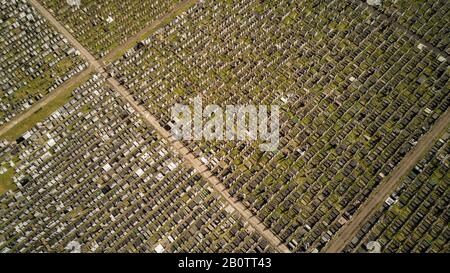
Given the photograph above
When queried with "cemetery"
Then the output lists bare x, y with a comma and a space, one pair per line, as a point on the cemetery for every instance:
358, 84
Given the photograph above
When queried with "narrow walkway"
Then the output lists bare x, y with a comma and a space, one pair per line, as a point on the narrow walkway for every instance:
150, 119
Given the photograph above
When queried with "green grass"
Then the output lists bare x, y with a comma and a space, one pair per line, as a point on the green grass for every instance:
42, 83
33, 87
6, 182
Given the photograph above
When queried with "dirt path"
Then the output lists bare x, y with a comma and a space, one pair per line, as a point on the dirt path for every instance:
189, 157
382, 192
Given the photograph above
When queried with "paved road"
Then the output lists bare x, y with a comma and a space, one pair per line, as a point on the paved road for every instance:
189, 157
382, 192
